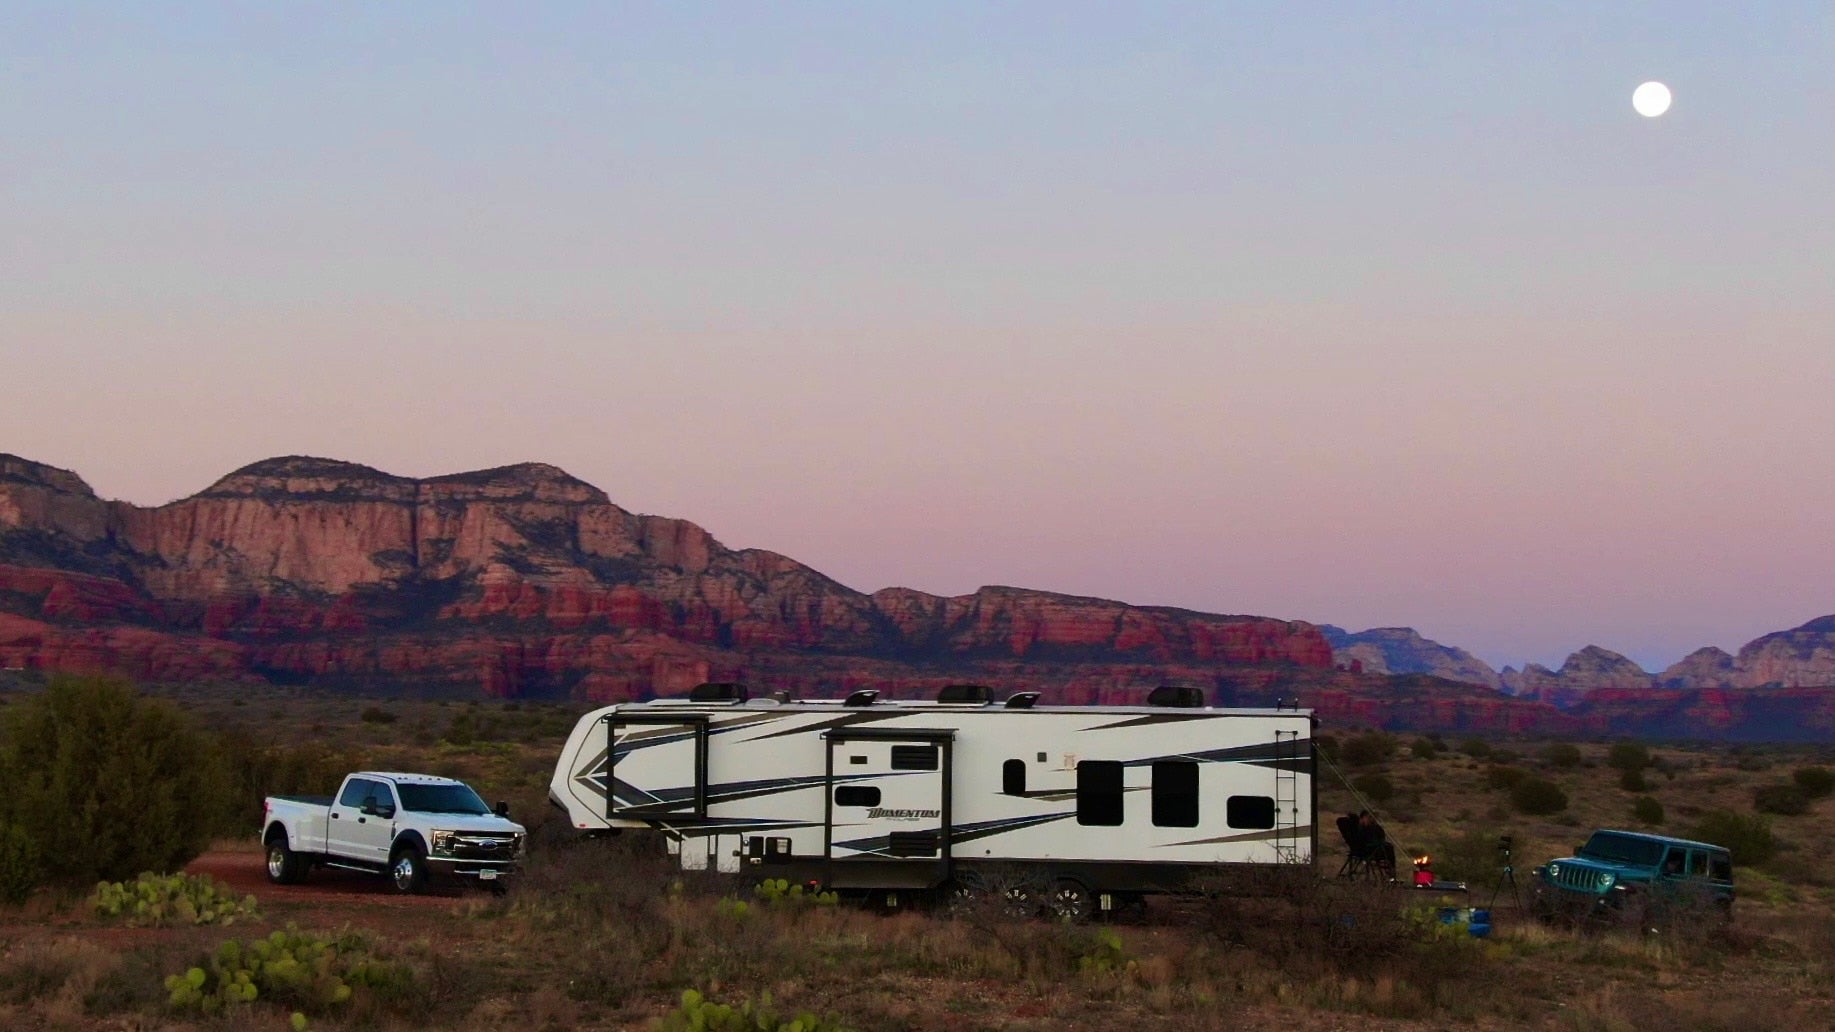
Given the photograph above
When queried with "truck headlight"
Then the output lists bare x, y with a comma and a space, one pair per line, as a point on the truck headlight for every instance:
442, 843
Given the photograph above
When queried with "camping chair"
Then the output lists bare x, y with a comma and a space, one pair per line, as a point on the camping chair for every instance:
1365, 857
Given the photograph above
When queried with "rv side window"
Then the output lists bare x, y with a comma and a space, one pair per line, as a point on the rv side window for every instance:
856, 795
1249, 811
1099, 792
1013, 777
1175, 794
914, 757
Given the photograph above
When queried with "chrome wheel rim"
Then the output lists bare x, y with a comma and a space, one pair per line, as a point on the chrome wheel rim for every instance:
404, 873
1068, 903
277, 862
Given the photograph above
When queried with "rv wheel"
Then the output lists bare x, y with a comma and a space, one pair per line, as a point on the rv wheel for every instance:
1070, 901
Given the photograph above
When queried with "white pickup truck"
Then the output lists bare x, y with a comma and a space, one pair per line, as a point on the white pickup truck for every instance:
409, 827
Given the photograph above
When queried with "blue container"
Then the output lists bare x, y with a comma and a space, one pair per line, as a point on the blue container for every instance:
1481, 924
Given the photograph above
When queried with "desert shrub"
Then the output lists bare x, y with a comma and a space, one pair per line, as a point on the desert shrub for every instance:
1327, 745
1374, 787
782, 892
1815, 782
19, 863
1632, 780
1367, 750
1473, 856
291, 968
1500, 776
1747, 836
1424, 749
159, 900
378, 715
258, 770
696, 1012
1783, 798
1627, 756
1477, 748
1537, 797
1562, 755
108, 782
1646, 810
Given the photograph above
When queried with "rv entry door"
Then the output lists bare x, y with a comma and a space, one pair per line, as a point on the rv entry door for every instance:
889, 805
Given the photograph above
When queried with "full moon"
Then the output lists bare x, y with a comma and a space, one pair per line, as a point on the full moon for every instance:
1651, 99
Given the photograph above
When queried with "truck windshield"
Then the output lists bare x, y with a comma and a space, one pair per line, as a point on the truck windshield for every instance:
441, 799
1622, 849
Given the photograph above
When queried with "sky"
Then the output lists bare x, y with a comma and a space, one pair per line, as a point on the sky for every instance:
1368, 314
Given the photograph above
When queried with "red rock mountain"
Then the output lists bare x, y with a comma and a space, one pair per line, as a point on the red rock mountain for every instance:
523, 580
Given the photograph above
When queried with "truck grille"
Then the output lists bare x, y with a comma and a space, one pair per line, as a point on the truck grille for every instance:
484, 847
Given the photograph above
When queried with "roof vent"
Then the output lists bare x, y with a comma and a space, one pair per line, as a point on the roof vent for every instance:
976, 694
718, 691
1183, 696
1022, 700
863, 697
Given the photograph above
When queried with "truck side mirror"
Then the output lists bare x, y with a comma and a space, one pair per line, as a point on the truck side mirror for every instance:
502, 809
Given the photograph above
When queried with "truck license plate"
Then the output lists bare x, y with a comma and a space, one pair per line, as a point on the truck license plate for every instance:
487, 875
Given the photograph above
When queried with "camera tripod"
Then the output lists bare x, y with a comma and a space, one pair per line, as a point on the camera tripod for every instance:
1506, 877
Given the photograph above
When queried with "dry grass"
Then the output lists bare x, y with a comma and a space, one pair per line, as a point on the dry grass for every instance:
606, 934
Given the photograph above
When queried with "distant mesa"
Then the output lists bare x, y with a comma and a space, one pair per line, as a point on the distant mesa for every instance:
523, 580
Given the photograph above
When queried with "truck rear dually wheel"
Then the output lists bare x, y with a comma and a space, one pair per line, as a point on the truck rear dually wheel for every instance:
284, 865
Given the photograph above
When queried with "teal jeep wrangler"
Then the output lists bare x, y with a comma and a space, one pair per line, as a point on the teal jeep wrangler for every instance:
1638, 875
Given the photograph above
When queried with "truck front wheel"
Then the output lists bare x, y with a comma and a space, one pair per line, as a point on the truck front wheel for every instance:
408, 869
284, 865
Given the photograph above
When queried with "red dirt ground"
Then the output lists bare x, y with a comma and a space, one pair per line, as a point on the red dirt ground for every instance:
245, 873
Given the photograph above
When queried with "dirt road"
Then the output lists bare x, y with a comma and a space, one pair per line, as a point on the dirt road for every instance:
245, 872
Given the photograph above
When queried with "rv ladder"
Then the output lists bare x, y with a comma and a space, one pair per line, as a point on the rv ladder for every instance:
1287, 796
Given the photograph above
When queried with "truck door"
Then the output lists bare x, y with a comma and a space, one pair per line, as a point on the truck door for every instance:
657, 767
342, 838
374, 831
888, 808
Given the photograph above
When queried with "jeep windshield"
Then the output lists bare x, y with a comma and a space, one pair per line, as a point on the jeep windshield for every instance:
441, 799
1622, 849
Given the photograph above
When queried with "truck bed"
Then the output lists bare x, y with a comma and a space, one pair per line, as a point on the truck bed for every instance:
309, 800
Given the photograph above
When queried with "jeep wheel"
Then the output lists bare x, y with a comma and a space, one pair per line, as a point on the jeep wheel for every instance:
408, 869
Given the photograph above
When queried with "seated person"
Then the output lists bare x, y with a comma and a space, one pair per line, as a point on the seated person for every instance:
1375, 845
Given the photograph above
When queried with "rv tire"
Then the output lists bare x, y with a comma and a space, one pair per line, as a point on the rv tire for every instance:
1071, 900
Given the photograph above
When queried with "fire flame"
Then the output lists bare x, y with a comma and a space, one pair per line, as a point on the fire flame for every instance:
1421, 861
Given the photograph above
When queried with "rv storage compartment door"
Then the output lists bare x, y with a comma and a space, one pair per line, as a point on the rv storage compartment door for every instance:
888, 803
658, 766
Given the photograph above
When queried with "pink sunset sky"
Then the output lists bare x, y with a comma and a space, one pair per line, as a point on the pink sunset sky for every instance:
1375, 320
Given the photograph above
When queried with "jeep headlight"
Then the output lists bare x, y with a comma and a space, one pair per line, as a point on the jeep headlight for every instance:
442, 843
1606, 880
1554, 871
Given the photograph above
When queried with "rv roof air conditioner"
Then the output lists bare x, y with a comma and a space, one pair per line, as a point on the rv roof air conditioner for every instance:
971, 694
718, 691
1022, 700
1182, 696
863, 697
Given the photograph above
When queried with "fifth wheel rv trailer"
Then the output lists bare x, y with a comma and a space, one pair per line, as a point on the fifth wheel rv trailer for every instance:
869, 794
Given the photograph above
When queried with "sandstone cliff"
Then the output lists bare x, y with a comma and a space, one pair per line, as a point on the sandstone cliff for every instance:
523, 580
517, 579
1402, 650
